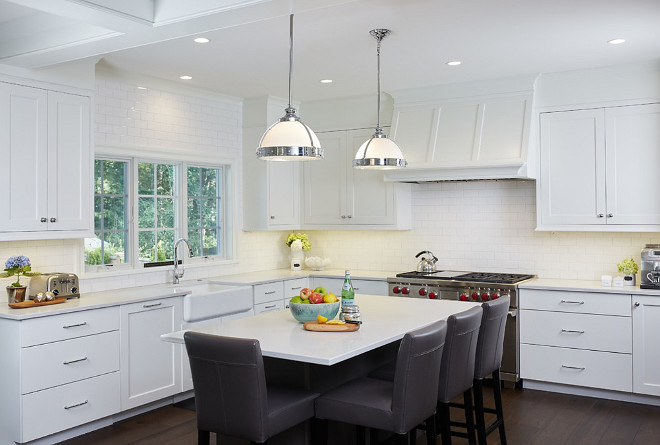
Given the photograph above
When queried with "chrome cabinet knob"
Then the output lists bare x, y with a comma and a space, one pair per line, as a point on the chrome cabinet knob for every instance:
44, 220
53, 220
343, 216
609, 215
636, 303
350, 216
272, 217
600, 215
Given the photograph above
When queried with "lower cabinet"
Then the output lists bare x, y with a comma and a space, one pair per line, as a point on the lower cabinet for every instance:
150, 367
360, 286
646, 344
576, 338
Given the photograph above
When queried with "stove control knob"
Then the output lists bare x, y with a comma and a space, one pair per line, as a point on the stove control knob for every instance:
475, 295
422, 291
433, 295
463, 297
485, 296
396, 289
494, 296
405, 290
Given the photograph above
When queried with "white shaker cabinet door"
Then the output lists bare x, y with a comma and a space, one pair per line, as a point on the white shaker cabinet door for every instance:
69, 161
150, 367
24, 151
283, 193
633, 158
572, 167
646, 345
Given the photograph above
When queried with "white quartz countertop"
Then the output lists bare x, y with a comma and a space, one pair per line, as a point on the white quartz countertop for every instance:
266, 276
584, 286
384, 320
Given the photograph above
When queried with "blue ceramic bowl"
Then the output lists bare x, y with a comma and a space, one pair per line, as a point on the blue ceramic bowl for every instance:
308, 312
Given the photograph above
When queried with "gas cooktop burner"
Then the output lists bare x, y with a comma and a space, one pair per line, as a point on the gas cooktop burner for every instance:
482, 277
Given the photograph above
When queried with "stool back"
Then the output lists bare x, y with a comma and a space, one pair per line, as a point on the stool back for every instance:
416, 375
458, 358
230, 385
491, 337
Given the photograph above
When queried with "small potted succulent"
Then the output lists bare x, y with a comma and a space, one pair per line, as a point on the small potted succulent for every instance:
629, 268
17, 265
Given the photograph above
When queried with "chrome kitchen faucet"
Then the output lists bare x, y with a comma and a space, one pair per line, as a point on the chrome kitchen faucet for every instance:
178, 274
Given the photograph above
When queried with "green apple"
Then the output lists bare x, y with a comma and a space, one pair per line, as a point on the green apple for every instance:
305, 301
296, 299
321, 290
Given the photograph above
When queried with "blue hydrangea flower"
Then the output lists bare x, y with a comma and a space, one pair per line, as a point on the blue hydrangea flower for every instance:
17, 261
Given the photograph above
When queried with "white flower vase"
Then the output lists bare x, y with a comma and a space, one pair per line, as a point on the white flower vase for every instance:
629, 280
297, 258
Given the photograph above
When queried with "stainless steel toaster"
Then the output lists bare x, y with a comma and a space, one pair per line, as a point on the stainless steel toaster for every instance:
60, 284
650, 270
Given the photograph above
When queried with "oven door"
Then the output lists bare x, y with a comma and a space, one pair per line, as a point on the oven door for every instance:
510, 369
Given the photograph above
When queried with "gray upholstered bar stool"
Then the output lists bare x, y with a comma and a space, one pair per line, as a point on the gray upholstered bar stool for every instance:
231, 396
399, 405
488, 361
457, 373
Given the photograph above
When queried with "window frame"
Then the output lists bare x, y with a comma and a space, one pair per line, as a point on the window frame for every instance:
228, 200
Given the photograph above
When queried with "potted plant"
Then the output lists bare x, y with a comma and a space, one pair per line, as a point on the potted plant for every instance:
629, 268
17, 265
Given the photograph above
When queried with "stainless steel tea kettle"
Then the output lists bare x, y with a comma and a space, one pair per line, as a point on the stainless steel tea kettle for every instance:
426, 265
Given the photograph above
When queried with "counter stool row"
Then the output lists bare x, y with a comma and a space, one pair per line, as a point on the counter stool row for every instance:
434, 365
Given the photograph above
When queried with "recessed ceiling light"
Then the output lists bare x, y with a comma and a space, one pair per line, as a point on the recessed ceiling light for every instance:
454, 63
140, 87
185, 77
201, 40
616, 41
326, 80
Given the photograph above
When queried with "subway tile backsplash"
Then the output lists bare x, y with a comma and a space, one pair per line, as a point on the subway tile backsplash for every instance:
480, 226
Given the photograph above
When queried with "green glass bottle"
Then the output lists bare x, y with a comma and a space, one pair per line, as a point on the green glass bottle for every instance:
347, 293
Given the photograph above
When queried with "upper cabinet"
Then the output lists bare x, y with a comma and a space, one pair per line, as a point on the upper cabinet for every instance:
47, 163
473, 138
335, 195
596, 168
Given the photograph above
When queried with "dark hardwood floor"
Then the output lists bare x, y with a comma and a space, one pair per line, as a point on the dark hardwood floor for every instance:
531, 418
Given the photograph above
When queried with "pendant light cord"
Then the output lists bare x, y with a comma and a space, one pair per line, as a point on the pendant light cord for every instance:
290, 54
379, 38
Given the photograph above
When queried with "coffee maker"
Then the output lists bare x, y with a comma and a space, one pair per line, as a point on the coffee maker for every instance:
650, 270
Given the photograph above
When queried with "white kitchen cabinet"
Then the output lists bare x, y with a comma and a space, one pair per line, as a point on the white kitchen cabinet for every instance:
646, 344
335, 195
275, 295
150, 367
595, 165
46, 174
66, 366
576, 338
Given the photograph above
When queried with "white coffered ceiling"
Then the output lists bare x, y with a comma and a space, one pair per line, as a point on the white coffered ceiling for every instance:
248, 52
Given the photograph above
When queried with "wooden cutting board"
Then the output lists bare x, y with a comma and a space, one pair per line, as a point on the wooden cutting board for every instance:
324, 327
32, 303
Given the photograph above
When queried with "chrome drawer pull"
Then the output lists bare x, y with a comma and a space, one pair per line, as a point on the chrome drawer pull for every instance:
269, 292
574, 331
67, 326
268, 307
152, 305
579, 368
75, 361
571, 302
294, 288
77, 404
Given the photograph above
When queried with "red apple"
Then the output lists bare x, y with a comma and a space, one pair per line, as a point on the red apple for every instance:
316, 298
306, 292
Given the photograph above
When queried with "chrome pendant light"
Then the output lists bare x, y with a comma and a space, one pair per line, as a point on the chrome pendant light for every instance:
289, 139
379, 152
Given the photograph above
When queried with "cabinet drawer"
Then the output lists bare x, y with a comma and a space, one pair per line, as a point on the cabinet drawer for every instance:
36, 331
268, 292
268, 307
53, 364
57, 409
604, 370
578, 302
582, 331
370, 287
293, 287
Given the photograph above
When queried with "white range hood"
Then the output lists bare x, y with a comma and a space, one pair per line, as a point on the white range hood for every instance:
464, 132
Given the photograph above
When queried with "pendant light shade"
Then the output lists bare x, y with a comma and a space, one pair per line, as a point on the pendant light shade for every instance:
379, 152
289, 139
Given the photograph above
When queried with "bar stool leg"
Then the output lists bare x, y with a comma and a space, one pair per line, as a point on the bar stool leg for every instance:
430, 432
469, 417
203, 437
497, 388
443, 419
360, 433
479, 411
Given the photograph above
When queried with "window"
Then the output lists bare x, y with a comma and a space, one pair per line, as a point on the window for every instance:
141, 207
110, 214
205, 210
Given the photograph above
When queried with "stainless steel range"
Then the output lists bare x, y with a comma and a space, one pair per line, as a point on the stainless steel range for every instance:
470, 286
